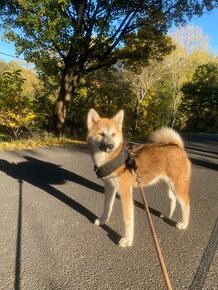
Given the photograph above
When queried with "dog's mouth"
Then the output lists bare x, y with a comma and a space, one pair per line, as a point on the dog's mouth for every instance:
106, 147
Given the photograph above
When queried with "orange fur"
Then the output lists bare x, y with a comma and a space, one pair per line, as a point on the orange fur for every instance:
164, 159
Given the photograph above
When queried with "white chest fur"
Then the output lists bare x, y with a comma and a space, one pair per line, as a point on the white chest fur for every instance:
100, 158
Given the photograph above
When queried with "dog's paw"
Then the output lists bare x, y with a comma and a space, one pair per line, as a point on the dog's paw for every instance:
99, 222
125, 243
181, 226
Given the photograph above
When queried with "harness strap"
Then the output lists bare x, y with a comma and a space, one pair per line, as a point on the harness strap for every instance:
124, 157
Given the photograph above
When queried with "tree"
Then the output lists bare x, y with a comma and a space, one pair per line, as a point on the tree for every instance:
191, 51
25, 102
16, 113
73, 38
200, 100
104, 89
156, 86
142, 83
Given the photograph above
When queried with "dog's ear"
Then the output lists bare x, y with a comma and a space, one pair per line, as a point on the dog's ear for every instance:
92, 118
118, 119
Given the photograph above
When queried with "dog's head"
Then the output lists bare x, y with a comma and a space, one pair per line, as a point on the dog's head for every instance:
104, 134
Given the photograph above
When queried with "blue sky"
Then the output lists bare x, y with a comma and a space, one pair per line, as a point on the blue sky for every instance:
208, 22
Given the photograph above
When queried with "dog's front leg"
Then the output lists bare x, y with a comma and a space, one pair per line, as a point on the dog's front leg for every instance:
128, 215
110, 192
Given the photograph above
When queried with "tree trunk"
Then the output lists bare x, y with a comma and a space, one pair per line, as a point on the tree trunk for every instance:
172, 119
137, 113
69, 82
197, 113
137, 110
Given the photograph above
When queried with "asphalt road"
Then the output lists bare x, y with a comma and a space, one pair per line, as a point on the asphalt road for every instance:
49, 200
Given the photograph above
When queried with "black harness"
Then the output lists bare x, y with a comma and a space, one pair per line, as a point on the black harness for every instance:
124, 157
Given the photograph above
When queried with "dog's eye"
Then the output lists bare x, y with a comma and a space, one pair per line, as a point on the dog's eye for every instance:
113, 134
102, 134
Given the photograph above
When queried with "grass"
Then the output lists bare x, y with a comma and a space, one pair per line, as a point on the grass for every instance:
37, 142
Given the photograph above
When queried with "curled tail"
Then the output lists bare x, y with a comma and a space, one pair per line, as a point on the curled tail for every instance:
166, 135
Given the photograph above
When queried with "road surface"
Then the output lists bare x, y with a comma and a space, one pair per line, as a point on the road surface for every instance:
49, 200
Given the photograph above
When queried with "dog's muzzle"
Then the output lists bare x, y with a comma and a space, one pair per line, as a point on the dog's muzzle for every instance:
106, 147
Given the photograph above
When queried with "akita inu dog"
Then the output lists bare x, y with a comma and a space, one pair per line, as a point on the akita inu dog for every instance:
163, 159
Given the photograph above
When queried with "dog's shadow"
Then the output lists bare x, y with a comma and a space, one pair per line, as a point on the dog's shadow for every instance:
115, 237
44, 175
156, 213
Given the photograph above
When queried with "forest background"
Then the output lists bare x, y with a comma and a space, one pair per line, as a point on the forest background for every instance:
180, 91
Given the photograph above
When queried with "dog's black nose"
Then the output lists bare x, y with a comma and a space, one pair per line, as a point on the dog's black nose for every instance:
106, 147
110, 146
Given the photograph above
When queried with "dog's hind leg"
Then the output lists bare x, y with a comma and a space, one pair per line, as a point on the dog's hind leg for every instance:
182, 225
167, 186
172, 198
110, 192
183, 199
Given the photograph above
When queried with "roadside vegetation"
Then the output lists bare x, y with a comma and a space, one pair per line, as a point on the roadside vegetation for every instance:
31, 143
158, 79
180, 91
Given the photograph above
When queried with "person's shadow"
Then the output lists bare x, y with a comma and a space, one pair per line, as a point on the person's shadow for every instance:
45, 174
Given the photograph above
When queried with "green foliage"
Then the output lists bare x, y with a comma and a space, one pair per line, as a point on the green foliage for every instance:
25, 104
150, 95
69, 39
87, 35
16, 113
200, 102
106, 91
145, 45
